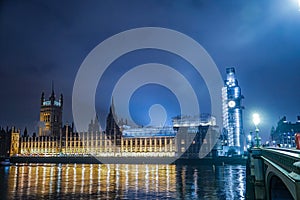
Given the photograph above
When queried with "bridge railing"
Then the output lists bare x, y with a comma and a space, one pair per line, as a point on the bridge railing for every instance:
285, 158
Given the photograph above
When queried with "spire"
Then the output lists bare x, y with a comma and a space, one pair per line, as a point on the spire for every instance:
52, 88
52, 97
231, 80
25, 132
42, 98
61, 100
112, 106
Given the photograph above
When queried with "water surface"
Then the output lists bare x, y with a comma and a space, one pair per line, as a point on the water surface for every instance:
64, 181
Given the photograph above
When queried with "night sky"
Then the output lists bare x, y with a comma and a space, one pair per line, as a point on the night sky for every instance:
41, 41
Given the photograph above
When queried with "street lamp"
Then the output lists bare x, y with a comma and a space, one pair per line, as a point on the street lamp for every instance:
249, 142
256, 121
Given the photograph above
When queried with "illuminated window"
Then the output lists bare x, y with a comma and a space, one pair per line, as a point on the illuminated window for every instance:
182, 149
182, 141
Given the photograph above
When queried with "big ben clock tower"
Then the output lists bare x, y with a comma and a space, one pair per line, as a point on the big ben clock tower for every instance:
233, 111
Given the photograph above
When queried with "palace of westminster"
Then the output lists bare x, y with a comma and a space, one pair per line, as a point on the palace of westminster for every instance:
54, 139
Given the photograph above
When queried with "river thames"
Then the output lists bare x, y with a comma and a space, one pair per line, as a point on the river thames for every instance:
121, 181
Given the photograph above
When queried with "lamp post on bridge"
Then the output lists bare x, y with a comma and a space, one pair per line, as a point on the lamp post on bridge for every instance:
250, 140
256, 121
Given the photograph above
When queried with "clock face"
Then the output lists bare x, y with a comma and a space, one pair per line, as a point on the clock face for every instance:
231, 104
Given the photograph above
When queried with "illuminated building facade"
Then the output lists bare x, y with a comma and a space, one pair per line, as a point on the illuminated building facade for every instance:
149, 142
71, 143
14, 142
184, 139
97, 144
51, 115
232, 112
135, 142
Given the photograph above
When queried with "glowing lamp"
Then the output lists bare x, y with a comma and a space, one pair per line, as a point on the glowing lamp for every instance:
249, 137
256, 119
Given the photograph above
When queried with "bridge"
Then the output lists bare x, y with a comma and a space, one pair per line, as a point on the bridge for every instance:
275, 173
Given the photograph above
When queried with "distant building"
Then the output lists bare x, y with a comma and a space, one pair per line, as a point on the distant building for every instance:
9, 142
284, 133
232, 112
51, 115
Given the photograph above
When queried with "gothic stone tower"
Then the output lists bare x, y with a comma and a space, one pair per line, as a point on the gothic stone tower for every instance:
51, 115
112, 129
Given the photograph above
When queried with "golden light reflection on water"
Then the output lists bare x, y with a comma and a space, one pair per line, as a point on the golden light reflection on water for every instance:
91, 179
119, 181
